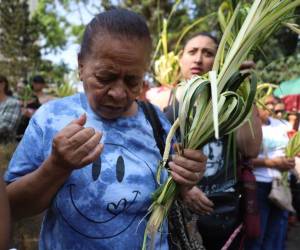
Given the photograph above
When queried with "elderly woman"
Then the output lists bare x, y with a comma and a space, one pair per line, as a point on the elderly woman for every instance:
10, 113
90, 159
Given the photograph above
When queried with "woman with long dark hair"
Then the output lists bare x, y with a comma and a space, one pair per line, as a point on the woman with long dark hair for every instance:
188, 228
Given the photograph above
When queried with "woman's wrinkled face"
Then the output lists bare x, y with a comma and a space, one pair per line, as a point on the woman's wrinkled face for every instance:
198, 56
112, 75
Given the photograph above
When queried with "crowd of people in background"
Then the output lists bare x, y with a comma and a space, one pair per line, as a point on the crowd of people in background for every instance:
16, 110
110, 105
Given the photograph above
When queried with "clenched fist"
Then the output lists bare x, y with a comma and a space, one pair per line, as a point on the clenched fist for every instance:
188, 168
76, 146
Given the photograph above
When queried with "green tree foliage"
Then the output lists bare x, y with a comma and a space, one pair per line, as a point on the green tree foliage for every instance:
154, 11
281, 44
51, 26
19, 50
54, 73
74, 28
23, 38
279, 70
279, 58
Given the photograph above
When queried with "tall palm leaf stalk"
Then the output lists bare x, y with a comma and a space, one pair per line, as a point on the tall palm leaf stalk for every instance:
235, 93
166, 67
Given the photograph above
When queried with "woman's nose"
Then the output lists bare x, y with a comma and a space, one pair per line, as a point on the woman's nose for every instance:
198, 57
118, 90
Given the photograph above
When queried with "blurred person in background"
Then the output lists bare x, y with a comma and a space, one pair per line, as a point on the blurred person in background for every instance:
267, 166
279, 110
38, 87
293, 118
10, 112
37, 98
270, 102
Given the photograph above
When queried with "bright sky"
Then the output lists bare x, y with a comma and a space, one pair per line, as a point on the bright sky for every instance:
68, 55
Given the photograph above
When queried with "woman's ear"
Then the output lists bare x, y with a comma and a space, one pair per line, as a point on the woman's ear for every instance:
80, 66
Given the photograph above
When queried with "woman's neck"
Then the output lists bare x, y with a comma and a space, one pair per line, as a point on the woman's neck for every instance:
3, 96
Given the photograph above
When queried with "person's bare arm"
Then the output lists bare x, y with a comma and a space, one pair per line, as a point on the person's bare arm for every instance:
32, 193
248, 144
73, 147
280, 163
4, 217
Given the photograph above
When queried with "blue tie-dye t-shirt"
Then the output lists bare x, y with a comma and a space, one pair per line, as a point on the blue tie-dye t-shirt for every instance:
103, 205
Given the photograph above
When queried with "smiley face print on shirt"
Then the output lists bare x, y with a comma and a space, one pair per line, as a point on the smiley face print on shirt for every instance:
109, 196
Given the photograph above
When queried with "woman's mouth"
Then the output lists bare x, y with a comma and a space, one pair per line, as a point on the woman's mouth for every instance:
112, 109
196, 70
